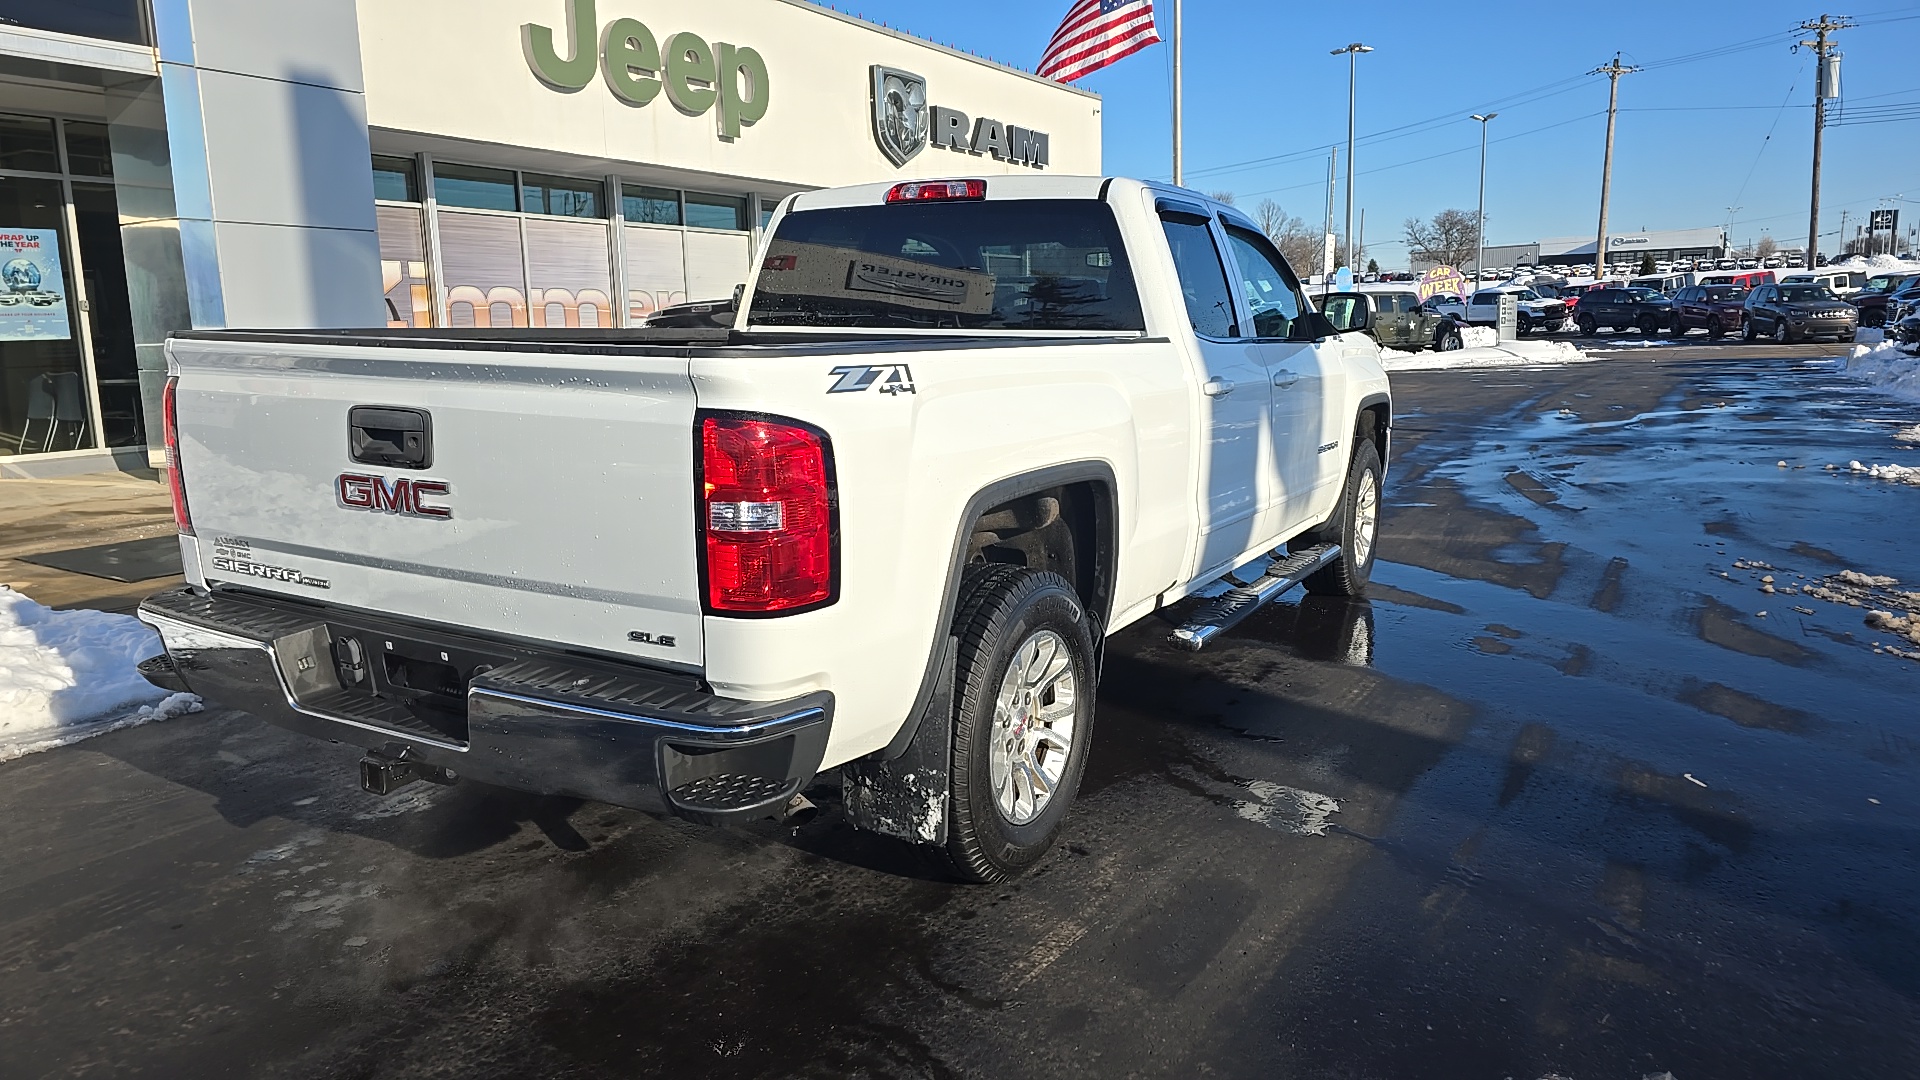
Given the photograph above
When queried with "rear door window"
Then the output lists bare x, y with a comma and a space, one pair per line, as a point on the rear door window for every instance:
1203, 278
1026, 264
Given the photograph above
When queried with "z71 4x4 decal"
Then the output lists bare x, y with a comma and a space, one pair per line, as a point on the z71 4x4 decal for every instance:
890, 378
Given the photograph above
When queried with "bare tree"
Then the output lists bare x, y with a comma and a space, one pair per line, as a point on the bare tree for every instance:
1447, 240
1766, 248
1300, 244
1221, 196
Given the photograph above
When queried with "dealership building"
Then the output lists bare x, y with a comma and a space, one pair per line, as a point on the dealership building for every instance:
174, 164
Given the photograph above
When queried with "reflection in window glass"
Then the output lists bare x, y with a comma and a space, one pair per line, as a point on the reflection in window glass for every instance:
570, 283
716, 211
650, 206
26, 143
114, 20
403, 266
766, 214
469, 185
393, 179
560, 196
484, 272
87, 153
656, 270
1269, 295
1203, 281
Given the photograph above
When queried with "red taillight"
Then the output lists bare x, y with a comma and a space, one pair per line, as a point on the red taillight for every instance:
926, 190
170, 435
766, 514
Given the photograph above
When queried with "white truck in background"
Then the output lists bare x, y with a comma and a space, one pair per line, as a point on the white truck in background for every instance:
961, 432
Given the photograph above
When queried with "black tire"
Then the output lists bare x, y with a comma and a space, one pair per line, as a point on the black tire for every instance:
1448, 340
1749, 332
1522, 324
1875, 317
1347, 576
1001, 609
1714, 333
1781, 334
1587, 326
1649, 326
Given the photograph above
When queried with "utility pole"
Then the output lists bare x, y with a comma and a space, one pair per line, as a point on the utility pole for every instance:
1480, 223
1843, 233
1612, 71
1825, 86
1352, 51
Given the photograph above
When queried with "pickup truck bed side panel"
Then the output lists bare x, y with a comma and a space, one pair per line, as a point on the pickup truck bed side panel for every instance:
570, 487
908, 463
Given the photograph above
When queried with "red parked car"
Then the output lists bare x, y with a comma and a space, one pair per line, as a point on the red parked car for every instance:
1719, 309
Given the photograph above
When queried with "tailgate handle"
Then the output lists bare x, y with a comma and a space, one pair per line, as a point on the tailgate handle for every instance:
390, 437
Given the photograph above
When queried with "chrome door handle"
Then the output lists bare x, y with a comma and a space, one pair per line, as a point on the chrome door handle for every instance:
1217, 387
1285, 379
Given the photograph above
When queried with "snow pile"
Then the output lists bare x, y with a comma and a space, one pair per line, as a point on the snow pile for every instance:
1911, 434
1886, 367
1876, 264
66, 675
1510, 354
1897, 473
1479, 337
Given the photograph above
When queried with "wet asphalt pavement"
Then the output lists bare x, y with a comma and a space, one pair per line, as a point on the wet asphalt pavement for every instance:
1558, 800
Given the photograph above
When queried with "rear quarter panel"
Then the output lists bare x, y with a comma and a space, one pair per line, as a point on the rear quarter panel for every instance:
907, 465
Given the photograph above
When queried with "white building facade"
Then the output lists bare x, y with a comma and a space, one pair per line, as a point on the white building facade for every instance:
167, 164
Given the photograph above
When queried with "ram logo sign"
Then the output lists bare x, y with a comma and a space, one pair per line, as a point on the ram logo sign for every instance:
904, 124
404, 496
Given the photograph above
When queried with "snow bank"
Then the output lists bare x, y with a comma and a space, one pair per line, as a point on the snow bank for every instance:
1479, 337
1888, 368
1511, 354
1898, 473
66, 675
1875, 264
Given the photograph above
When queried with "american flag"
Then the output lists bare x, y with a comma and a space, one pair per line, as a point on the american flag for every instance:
1094, 34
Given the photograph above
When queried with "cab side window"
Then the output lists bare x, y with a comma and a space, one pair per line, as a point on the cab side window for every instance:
1269, 289
1203, 279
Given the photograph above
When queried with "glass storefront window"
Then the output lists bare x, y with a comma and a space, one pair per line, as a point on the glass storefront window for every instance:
649, 206
114, 20
570, 281
475, 187
394, 179
87, 153
403, 266
561, 197
43, 393
716, 211
26, 143
484, 269
766, 214
656, 270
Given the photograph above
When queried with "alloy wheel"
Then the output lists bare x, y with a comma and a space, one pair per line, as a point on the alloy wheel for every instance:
1033, 726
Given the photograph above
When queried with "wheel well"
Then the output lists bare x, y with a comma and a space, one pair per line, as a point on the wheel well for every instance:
1067, 528
1374, 423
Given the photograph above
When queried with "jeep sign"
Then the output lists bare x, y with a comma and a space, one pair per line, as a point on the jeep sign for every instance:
636, 66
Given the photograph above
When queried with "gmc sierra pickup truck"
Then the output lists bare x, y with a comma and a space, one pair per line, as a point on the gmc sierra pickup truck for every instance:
960, 432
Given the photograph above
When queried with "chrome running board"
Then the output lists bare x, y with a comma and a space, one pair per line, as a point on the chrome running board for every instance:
1223, 613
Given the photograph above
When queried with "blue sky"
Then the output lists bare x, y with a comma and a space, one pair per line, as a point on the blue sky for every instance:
1692, 138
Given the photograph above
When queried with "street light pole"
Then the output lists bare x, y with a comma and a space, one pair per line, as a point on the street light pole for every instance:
1352, 51
1480, 223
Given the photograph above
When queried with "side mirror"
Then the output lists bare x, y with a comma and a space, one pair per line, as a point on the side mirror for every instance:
1317, 327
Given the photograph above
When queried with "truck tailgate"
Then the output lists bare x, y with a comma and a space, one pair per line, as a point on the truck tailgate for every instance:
556, 505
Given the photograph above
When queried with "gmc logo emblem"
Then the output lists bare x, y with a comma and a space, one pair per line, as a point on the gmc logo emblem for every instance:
403, 496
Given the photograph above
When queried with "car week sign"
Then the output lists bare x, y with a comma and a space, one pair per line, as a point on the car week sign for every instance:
636, 66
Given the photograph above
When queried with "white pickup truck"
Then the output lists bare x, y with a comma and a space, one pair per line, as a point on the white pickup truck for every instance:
961, 432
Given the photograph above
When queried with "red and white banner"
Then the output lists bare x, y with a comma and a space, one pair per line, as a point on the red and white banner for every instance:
1094, 34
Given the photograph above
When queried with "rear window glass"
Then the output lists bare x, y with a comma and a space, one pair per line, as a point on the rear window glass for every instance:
1029, 264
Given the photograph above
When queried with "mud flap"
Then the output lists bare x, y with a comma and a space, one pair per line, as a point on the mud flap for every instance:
905, 795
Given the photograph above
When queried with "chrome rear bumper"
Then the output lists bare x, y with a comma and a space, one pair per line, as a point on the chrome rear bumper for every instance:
497, 712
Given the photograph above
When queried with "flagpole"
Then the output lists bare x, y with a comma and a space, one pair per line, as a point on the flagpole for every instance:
1178, 180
